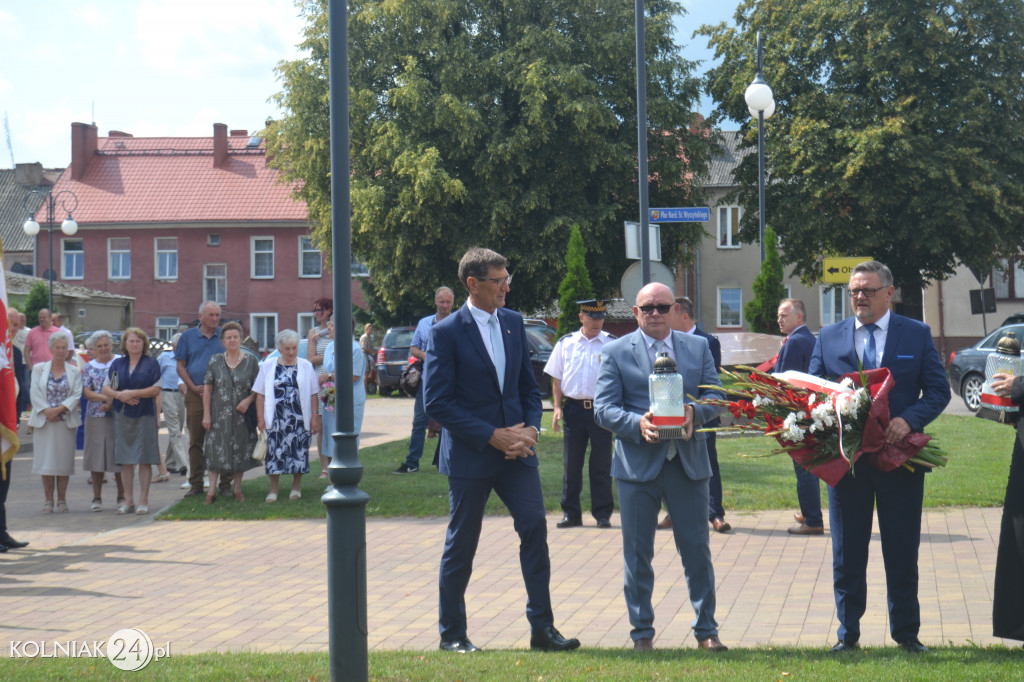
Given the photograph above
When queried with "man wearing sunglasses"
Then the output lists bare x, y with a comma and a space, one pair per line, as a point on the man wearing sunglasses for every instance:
479, 386
647, 469
876, 337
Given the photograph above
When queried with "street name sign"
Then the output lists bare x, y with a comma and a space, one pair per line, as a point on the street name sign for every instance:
697, 214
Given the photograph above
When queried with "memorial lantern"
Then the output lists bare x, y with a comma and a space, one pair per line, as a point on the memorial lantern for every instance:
1005, 360
667, 398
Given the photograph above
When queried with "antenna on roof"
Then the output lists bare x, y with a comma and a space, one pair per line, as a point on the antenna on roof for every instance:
7, 134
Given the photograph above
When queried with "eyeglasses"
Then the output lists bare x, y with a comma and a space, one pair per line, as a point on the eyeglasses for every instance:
507, 281
868, 293
318, 310
662, 308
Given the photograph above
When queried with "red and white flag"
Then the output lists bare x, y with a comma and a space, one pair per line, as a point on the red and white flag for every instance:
8, 386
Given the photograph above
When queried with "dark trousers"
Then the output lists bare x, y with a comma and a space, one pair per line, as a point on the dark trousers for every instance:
518, 486
715, 508
5, 485
196, 437
581, 430
808, 493
418, 437
898, 495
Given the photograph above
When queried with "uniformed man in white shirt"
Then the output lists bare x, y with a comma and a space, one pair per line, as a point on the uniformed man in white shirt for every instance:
573, 367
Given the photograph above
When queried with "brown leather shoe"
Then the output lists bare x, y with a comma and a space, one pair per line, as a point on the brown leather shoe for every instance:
720, 525
643, 644
666, 523
192, 492
798, 517
712, 643
804, 529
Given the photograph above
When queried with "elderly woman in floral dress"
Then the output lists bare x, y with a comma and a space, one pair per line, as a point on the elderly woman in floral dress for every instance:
56, 391
98, 453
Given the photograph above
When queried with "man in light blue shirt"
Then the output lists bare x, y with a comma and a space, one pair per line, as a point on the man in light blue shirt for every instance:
172, 403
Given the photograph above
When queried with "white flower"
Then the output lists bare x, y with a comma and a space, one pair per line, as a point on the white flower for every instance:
847, 382
794, 433
760, 400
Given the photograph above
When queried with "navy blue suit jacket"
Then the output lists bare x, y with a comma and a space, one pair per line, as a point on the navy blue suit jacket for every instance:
462, 394
716, 353
921, 391
795, 354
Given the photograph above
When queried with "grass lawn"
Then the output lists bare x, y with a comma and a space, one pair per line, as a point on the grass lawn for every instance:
979, 456
944, 663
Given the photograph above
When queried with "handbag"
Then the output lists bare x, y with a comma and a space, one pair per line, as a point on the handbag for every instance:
259, 453
411, 377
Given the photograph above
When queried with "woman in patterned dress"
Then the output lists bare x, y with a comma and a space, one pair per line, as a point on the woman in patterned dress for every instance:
229, 440
56, 390
98, 453
286, 407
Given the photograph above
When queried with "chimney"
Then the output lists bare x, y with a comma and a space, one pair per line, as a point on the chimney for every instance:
220, 144
83, 148
29, 174
240, 132
118, 133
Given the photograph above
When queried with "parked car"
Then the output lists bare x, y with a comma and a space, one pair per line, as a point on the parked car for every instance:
392, 357
541, 338
115, 338
967, 365
1016, 318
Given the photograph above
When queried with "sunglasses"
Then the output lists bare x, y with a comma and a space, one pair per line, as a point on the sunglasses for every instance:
662, 308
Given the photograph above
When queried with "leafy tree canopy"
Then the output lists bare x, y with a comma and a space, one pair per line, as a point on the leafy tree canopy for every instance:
496, 123
575, 286
897, 132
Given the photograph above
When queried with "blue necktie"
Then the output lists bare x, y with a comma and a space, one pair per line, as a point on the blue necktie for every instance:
498, 350
870, 354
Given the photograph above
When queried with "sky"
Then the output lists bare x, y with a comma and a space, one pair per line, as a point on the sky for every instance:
172, 68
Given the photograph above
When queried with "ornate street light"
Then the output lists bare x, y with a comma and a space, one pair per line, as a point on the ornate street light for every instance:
68, 203
761, 104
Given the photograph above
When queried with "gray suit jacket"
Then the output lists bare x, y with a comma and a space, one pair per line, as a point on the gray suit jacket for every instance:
622, 398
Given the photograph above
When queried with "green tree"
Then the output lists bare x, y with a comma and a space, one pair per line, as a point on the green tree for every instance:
38, 298
897, 133
761, 312
575, 285
492, 123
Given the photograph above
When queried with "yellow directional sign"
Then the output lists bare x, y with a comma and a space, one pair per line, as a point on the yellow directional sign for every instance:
837, 270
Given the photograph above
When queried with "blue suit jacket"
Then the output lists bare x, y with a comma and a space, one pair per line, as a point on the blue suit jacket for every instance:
461, 392
921, 391
716, 353
622, 398
796, 352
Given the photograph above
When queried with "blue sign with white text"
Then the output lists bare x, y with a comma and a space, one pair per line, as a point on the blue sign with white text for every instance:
698, 214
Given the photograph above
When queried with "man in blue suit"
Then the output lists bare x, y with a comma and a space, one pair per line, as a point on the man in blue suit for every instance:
876, 337
647, 469
795, 355
479, 386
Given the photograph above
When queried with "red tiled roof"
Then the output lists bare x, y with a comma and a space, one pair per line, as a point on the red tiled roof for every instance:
173, 179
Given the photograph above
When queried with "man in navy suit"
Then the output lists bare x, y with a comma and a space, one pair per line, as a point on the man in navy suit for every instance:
479, 386
647, 469
875, 337
795, 355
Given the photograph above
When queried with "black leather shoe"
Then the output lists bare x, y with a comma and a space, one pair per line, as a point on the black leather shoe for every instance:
569, 522
10, 543
914, 646
550, 639
461, 645
843, 647
604, 523
3, 548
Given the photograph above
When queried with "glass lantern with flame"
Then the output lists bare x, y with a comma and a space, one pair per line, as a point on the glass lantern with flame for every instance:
1006, 360
667, 398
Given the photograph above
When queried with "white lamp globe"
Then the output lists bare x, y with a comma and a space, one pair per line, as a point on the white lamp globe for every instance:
31, 227
69, 226
767, 112
758, 95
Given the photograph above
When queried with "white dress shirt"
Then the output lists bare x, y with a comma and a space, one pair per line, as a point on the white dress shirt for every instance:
860, 338
575, 362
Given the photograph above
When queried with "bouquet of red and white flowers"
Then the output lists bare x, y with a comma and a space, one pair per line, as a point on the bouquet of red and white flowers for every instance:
826, 426
327, 395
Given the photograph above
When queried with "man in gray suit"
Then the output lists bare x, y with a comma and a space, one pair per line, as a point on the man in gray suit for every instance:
646, 469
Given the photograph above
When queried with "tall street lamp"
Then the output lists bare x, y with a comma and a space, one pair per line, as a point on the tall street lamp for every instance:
761, 104
68, 203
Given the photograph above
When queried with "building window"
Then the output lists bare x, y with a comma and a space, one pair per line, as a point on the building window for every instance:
729, 227
262, 257
215, 282
833, 304
306, 322
730, 307
310, 260
72, 259
264, 329
213, 239
359, 270
119, 258
166, 257
166, 327
1008, 278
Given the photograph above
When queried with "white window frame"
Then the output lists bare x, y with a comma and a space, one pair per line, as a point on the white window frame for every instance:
722, 323
166, 327
119, 255
253, 253
158, 252
75, 273
213, 239
304, 322
359, 269
254, 330
311, 248
207, 277
728, 229
827, 303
